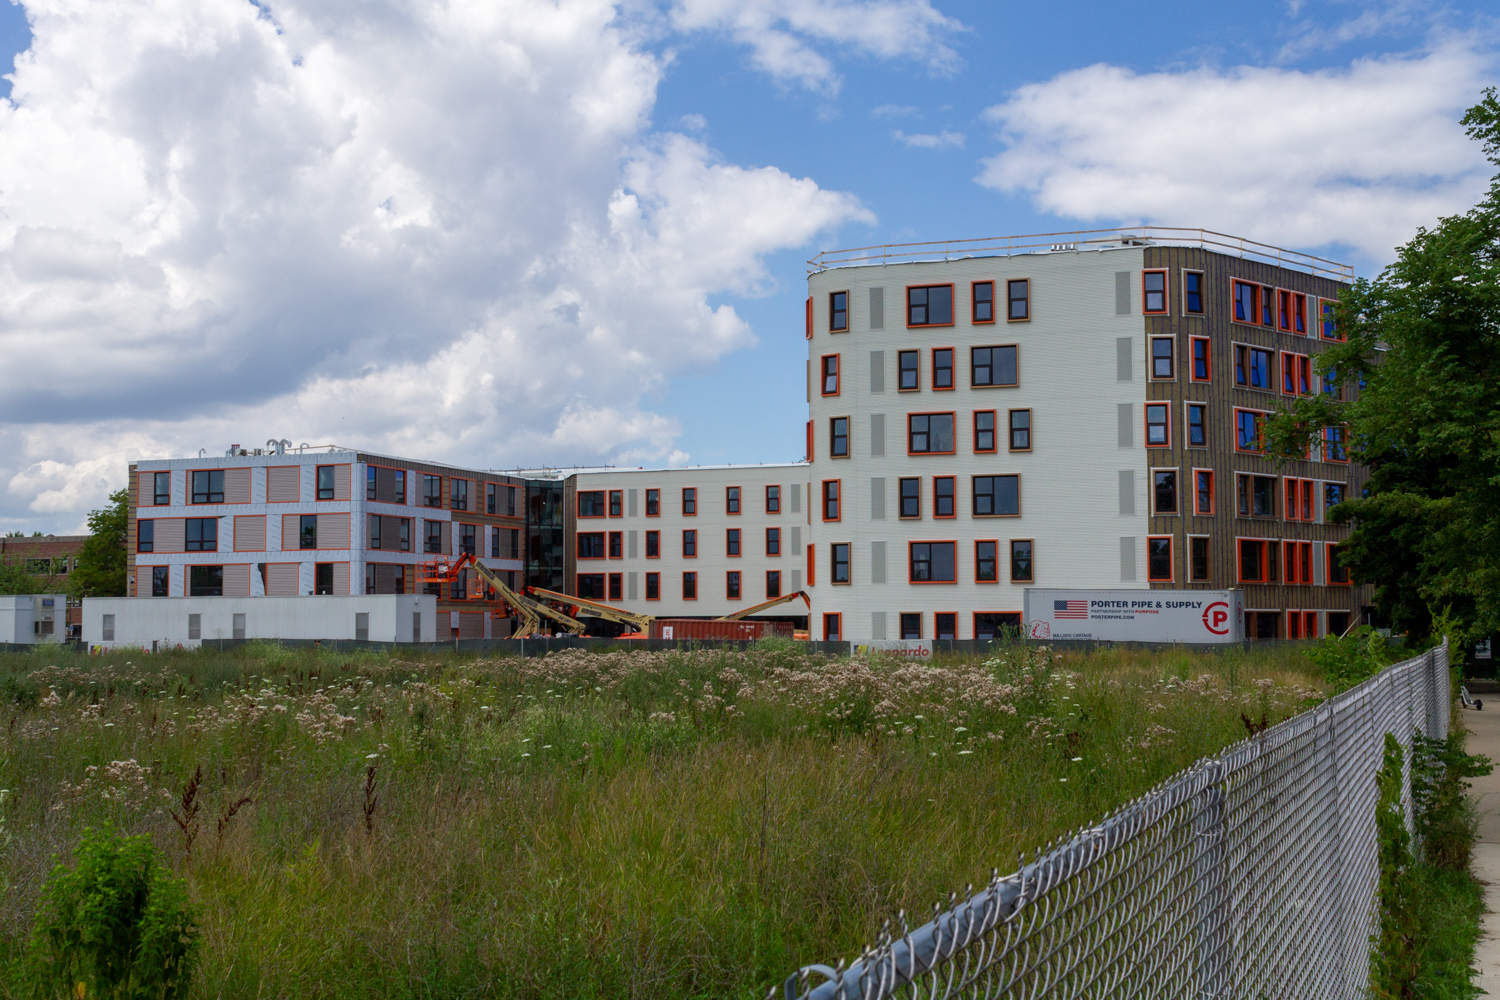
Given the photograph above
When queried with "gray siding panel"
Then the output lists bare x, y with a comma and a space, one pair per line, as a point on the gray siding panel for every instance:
630, 508
796, 580
877, 371
1127, 492
1126, 416
250, 533
796, 543
281, 579
341, 478
171, 534
1124, 362
877, 435
877, 624
283, 485
877, 309
237, 489
796, 498
877, 498
1127, 559
1122, 293
877, 562
630, 587
632, 538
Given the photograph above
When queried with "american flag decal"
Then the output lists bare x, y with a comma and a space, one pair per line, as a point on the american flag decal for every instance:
1070, 609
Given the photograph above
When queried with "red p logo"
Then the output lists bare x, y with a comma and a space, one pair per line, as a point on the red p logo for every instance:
1216, 618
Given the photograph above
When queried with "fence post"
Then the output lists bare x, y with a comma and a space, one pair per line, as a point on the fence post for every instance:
1209, 876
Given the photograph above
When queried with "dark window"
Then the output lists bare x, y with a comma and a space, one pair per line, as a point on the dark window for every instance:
1252, 558
773, 541
591, 586
690, 586
1159, 559
1198, 425
773, 499
1165, 487
1019, 295
1247, 430
206, 581
515, 543
323, 579
1161, 357
510, 501
732, 499
1252, 367
1333, 494
997, 624
1020, 430
591, 545
1193, 285
689, 543
830, 500
616, 586
203, 534
1328, 325
1257, 496
159, 577
495, 543
993, 366
1244, 302
840, 554
830, 374
732, 585
208, 487
909, 369
653, 544
1198, 552
732, 542
1337, 571
590, 503
325, 482
162, 482
433, 539
838, 441
1201, 369
942, 368
617, 545
1333, 445
984, 302
832, 631
930, 433
942, 497
489, 497
145, 536
997, 495
1020, 560
985, 557
911, 497
616, 503
405, 534
984, 430
1154, 284
466, 539
690, 500
653, 586
945, 625
838, 311
911, 625
432, 490
934, 562
1157, 432
653, 503
929, 306
1204, 486
307, 535
773, 583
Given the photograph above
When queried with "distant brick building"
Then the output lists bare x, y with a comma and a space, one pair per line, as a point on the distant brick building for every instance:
51, 559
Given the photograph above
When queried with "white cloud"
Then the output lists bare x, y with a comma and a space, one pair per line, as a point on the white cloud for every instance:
781, 33
921, 141
693, 123
893, 111
1359, 156
420, 228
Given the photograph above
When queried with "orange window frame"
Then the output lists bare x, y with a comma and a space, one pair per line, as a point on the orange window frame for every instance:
985, 541
578, 504
578, 549
1289, 556
648, 545
1326, 320
809, 456
649, 491
739, 581
1288, 374
824, 375
838, 499
1166, 292
616, 587
1304, 375
954, 496
1299, 314
739, 541
685, 533
769, 554
610, 497
615, 543
906, 304
1208, 359
685, 491
1309, 624
686, 575
653, 578
812, 564
809, 318
994, 433
1283, 310
738, 500
1212, 494
1165, 408
1171, 560
838, 628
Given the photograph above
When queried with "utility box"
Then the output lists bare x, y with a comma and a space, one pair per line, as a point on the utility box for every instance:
1198, 616
711, 628
33, 618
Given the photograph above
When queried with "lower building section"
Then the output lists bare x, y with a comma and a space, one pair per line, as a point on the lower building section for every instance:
169, 622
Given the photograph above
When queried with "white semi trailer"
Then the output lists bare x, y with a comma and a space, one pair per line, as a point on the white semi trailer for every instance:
1197, 616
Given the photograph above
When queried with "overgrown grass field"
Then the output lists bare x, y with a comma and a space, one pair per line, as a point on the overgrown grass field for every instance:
583, 825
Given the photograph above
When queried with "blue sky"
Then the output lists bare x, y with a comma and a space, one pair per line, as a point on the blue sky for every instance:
527, 233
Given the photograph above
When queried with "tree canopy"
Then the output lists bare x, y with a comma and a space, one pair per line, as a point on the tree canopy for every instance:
101, 564
1418, 387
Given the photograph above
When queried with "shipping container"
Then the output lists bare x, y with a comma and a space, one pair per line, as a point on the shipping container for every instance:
1136, 615
710, 628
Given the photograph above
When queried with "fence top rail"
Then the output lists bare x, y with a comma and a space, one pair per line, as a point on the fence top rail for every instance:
902, 954
1074, 241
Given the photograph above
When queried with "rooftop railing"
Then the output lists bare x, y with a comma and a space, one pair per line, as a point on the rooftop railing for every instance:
1078, 240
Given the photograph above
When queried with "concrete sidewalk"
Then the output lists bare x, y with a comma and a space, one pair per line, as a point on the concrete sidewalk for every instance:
1484, 738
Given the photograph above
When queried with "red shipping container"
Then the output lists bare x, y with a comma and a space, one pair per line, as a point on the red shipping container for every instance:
705, 628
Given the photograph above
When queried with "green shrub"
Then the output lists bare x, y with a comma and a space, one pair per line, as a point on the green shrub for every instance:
1446, 819
1356, 656
1394, 962
116, 925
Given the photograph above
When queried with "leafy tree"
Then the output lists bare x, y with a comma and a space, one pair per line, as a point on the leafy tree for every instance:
15, 580
101, 564
1418, 386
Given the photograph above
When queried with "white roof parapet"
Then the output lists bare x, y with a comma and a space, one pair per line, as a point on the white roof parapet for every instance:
1078, 240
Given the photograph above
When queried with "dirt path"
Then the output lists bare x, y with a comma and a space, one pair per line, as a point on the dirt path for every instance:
1484, 737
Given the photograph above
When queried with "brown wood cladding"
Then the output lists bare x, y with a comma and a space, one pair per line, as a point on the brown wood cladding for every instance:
1222, 396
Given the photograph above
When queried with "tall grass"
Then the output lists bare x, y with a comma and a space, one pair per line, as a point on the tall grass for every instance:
583, 825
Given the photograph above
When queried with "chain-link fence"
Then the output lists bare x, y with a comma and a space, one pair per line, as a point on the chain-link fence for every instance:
1251, 874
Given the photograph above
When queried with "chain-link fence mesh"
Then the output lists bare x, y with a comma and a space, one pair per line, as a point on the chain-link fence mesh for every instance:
1251, 874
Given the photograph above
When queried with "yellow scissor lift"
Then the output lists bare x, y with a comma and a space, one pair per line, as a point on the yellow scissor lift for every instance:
531, 612
642, 623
